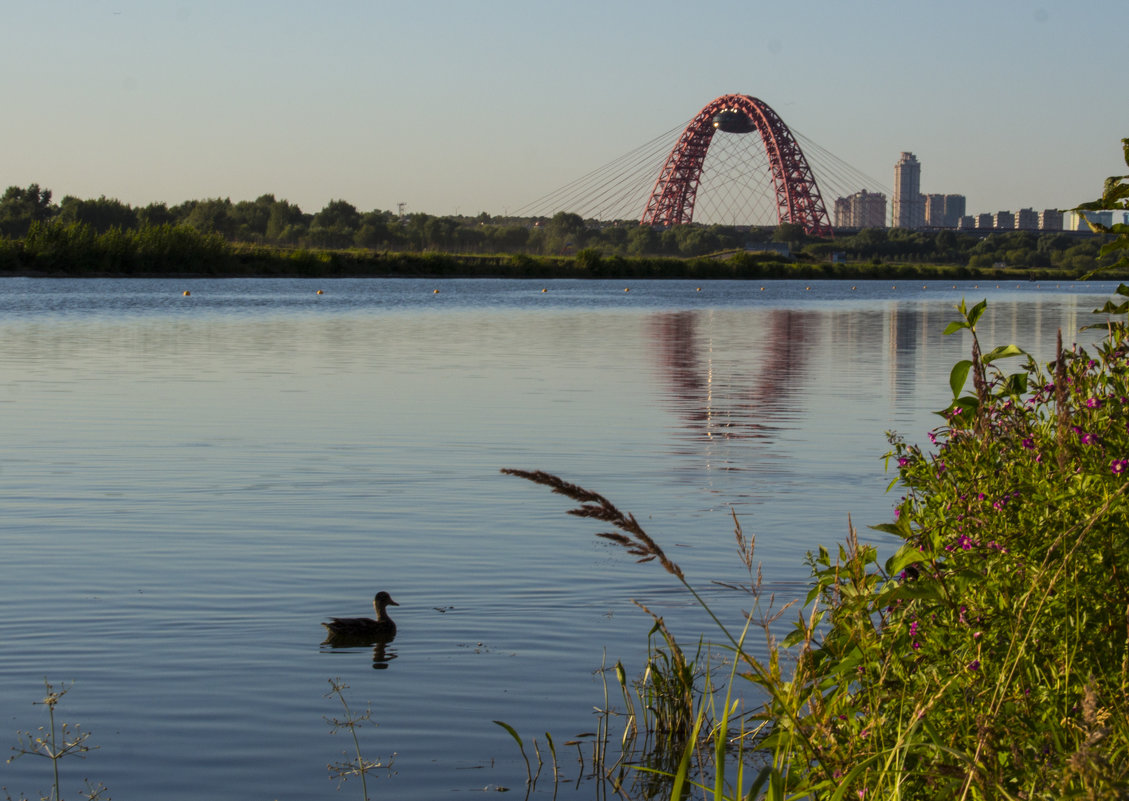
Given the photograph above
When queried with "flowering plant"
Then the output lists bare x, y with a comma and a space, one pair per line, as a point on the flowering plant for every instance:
989, 656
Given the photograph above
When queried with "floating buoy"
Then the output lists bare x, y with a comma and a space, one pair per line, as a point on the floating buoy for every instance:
544, 290
762, 289
807, 289
435, 292
320, 292
699, 289
187, 293
627, 289
894, 287
852, 289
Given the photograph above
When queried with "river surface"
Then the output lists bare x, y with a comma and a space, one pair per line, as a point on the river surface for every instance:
195, 473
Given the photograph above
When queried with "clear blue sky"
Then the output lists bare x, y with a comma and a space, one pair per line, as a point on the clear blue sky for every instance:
487, 105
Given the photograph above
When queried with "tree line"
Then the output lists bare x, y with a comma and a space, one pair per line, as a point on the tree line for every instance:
268, 221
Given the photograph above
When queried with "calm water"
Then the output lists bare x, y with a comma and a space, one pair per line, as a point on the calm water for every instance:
189, 485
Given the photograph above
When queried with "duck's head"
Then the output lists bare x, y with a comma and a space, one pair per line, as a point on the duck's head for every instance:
382, 600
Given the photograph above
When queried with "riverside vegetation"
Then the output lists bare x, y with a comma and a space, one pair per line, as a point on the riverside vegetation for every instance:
271, 237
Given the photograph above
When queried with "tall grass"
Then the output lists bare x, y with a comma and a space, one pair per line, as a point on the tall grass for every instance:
987, 658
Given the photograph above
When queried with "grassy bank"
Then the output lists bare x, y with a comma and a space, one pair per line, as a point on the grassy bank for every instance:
155, 251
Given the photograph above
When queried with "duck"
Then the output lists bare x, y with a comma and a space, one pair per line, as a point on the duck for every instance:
382, 627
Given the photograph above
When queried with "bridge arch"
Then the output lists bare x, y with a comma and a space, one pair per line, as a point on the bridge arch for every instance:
797, 194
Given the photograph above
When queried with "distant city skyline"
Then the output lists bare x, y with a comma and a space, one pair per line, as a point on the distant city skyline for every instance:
913, 209
453, 107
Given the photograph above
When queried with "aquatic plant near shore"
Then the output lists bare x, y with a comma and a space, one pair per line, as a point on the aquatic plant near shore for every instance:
357, 764
57, 742
988, 657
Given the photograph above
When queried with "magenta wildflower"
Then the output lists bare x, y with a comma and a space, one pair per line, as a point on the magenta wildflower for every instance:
1029, 444
1094, 403
1118, 466
902, 461
974, 664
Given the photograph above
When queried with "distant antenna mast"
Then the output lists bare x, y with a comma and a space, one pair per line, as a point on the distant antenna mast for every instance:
401, 208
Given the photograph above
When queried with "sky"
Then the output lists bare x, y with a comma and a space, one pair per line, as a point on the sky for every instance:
487, 105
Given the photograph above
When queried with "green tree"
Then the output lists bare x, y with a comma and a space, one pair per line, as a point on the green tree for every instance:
789, 232
19, 208
335, 226
286, 223
155, 214
251, 218
213, 216
375, 230
642, 240
101, 214
565, 231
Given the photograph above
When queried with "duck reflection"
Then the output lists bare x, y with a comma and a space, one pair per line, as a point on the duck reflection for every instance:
381, 653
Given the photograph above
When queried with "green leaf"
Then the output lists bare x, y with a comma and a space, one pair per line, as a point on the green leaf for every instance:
954, 326
905, 556
975, 312
511, 730
1016, 384
1002, 352
923, 590
959, 375
681, 776
1109, 308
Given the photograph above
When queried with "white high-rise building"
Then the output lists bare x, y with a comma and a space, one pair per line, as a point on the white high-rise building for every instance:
909, 205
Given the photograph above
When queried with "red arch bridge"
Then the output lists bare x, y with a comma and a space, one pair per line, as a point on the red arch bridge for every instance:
736, 162
797, 194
